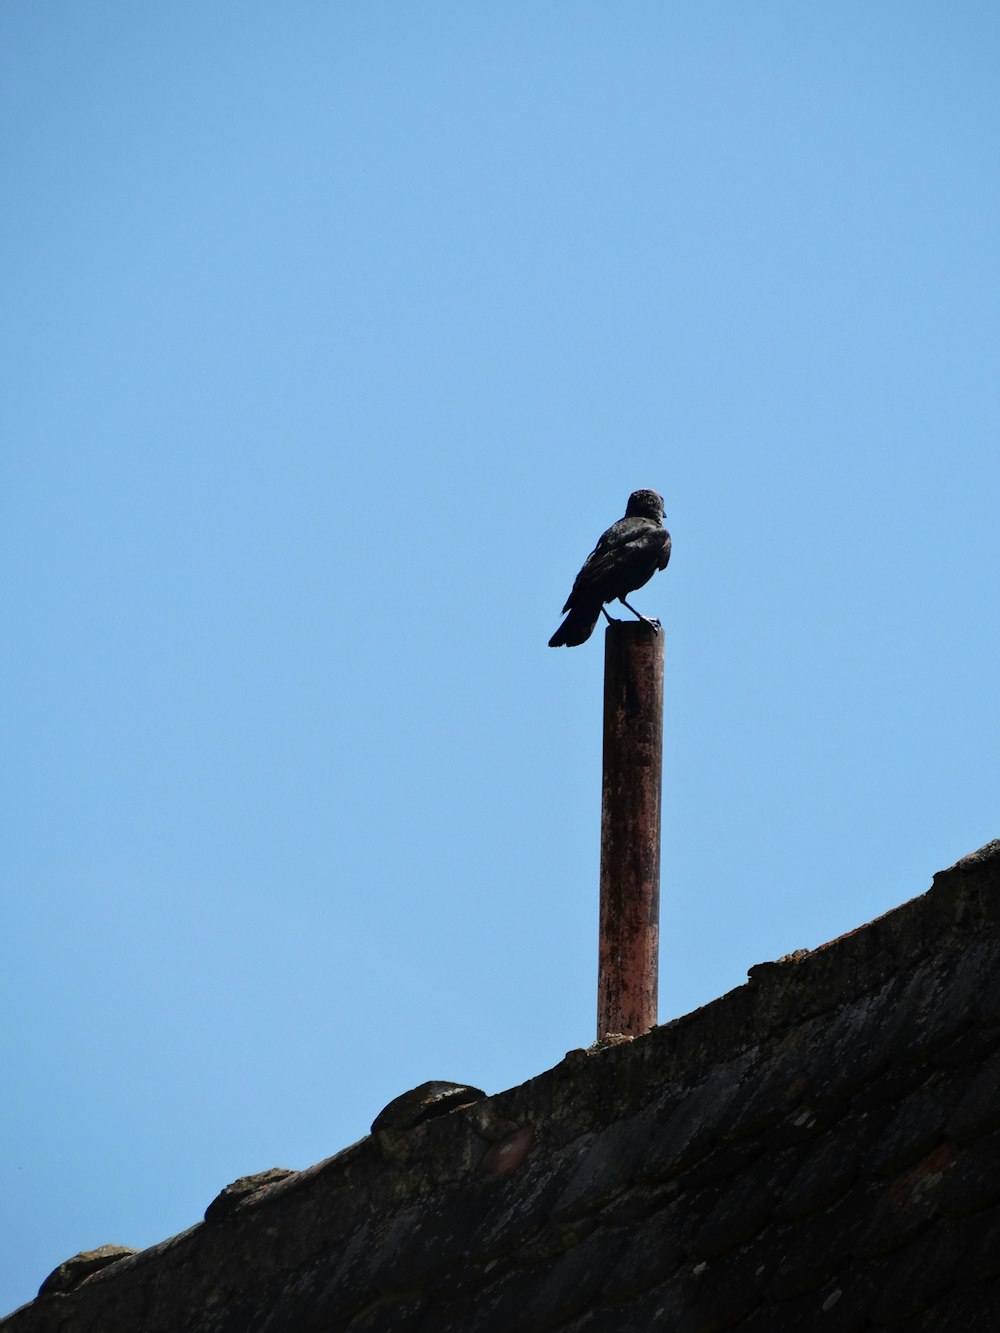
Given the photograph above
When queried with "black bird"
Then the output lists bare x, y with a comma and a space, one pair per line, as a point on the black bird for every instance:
626, 557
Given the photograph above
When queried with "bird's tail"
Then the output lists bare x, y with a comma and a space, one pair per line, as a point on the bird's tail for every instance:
576, 628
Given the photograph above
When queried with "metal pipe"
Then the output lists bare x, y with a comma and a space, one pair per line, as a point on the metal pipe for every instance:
630, 829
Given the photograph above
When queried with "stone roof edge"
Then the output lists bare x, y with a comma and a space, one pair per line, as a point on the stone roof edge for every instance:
607, 1078
782, 994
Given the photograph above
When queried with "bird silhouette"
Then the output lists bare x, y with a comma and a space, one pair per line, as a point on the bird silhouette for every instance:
626, 557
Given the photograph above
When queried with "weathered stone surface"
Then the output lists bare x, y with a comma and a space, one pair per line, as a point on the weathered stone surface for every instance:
916, 1127
648, 1255
890, 1087
229, 1199
978, 1110
812, 1251
768, 1093
819, 1149
423, 1103
637, 1203
732, 1285
668, 1306
974, 1183
742, 1210
803, 1122
972, 1045
841, 1305
981, 1260
968, 867
725, 1161
609, 1165
695, 1123
523, 1204
940, 1009
573, 1280
854, 1045
907, 1204
390, 1312
81, 1266
921, 1274
829, 1169
964, 1310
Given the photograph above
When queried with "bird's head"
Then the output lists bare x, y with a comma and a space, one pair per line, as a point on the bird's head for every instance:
645, 504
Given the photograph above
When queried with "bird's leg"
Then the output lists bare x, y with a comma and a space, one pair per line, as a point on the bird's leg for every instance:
645, 619
612, 620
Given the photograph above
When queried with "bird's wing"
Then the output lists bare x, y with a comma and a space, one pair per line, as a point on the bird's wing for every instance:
621, 544
629, 542
665, 557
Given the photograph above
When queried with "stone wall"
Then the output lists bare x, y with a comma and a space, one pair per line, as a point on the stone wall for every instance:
818, 1149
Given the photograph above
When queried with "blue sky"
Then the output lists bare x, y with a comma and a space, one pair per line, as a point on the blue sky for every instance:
334, 336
